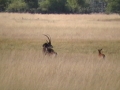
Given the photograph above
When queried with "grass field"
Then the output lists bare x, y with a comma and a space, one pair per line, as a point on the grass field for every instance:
76, 39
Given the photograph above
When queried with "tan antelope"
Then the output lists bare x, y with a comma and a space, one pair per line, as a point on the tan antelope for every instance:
47, 47
101, 54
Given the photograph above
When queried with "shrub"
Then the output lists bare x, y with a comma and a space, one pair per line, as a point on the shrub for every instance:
17, 6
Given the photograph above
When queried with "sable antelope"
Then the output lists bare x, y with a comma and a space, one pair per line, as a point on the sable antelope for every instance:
50, 51
47, 47
101, 54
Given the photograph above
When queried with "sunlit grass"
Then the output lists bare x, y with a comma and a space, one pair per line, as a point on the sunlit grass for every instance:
30, 70
76, 39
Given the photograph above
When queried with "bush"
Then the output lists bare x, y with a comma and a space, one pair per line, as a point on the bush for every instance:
44, 6
17, 6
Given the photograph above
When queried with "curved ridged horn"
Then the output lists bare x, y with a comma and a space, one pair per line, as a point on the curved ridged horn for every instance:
48, 38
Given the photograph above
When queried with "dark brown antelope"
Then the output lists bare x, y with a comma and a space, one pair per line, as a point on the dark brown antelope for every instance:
101, 54
50, 52
47, 47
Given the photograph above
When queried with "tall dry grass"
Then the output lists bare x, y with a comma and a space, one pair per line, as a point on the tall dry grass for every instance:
76, 39
102, 27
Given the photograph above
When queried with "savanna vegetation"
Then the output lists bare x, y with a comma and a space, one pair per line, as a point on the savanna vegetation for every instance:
76, 39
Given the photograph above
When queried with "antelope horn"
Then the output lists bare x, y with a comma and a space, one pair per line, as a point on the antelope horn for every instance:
48, 38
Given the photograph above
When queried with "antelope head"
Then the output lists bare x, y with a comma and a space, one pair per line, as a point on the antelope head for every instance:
48, 43
99, 50
100, 53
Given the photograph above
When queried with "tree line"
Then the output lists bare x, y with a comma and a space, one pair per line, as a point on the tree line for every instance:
60, 6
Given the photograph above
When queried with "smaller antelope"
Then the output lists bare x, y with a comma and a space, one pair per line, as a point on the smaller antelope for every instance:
101, 54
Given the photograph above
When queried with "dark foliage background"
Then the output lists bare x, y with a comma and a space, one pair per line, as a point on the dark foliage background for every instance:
60, 6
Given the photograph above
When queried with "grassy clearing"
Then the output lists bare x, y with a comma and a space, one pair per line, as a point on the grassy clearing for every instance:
30, 70
76, 39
